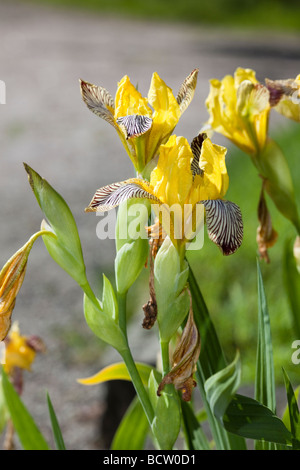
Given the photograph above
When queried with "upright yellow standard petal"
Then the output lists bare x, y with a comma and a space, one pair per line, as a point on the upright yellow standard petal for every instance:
165, 117
172, 178
129, 101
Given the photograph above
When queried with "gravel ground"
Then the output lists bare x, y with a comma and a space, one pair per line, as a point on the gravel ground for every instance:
43, 53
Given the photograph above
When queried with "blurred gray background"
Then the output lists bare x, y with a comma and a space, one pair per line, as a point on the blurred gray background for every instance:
43, 53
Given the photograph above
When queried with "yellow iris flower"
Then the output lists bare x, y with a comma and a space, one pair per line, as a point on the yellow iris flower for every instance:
185, 175
20, 351
239, 109
143, 124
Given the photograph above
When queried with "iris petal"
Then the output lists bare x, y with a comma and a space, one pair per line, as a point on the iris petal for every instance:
224, 224
113, 195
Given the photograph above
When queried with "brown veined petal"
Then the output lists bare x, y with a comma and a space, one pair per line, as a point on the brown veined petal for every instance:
224, 224
280, 88
112, 195
187, 90
134, 125
98, 100
196, 146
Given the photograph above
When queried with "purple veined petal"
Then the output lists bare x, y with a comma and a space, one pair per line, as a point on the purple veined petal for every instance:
187, 90
134, 125
98, 100
224, 224
112, 195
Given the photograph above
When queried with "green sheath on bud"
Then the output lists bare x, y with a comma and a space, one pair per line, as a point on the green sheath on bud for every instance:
167, 414
171, 297
131, 242
103, 318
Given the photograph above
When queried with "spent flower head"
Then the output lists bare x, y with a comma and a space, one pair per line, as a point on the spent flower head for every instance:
20, 350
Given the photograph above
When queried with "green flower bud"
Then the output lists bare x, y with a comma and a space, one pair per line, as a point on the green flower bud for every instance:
171, 297
65, 246
167, 414
131, 242
103, 318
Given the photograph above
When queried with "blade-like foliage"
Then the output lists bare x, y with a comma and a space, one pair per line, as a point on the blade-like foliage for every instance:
29, 434
133, 429
264, 377
293, 412
58, 438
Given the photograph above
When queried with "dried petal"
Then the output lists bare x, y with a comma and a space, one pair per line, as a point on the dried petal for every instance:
150, 308
185, 358
266, 235
11, 280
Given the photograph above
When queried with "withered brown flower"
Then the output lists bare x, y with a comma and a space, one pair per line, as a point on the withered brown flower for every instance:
185, 359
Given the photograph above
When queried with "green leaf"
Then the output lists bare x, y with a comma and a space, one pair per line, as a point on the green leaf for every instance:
102, 324
133, 429
119, 371
293, 412
265, 392
30, 436
194, 435
292, 284
211, 360
58, 438
264, 379
250, 419
65, 248
286, 414
221, 387
4, 413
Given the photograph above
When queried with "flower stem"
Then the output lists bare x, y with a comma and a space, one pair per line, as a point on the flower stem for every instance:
122, 312
164, 348
130, 364
138, 384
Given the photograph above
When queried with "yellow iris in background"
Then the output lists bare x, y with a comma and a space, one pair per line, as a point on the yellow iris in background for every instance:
239, 109
143, 124
20, 350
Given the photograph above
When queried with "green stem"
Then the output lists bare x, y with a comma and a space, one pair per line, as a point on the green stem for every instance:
89, 292
130, 364
164, 348
138, 384
140, 164
122, 312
